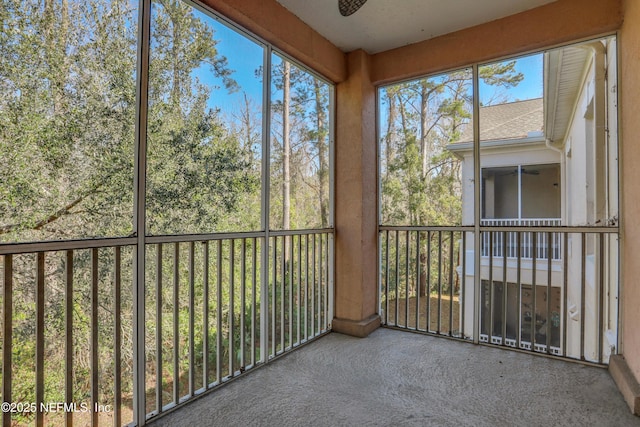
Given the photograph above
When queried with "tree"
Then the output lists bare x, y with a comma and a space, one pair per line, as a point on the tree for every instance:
67, 131
305, 131
421, 182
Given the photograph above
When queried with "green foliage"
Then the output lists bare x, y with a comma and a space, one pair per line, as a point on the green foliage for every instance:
67, 137
309, 149
421, 177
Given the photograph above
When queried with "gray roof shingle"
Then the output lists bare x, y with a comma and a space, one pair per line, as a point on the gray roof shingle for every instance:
513, 120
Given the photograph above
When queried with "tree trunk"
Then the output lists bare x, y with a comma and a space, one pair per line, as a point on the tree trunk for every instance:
56, 45
323, 164
286, 148
391, 134
424, 149
423, 274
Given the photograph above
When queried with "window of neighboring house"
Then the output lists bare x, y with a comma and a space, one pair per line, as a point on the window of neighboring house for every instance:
521, 192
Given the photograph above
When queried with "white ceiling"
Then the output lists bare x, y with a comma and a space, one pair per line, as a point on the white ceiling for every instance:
386, 24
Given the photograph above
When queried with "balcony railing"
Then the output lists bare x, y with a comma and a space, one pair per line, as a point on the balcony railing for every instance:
564, 305
421, 286
544, 245
215, 307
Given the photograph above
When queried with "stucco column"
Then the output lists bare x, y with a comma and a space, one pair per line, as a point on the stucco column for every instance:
625, 367
356, 201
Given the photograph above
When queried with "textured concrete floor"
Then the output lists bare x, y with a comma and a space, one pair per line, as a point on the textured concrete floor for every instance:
395, 378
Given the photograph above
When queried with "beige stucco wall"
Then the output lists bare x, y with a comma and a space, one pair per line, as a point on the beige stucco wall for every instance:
559, 22
356, 193
629, 97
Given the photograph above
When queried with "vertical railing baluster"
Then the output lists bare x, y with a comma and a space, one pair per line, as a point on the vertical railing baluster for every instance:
485, 243
205, 315
159, 346
243, 301
232, 249
582, 291
451, 244
94, 334
386, 279
406, 281
299, 286
290, 283
320, 283
192, 322
489, 322
40, 343
306, 291
600, 304
505, 288
68, 320
254, 281
317, 272
439, 281
274, 286
565, 296
428, 284
462, 297
7, 336
313, 285
117, 339
176, 324
549, 271
511, 238
534, 253
397, 276
417, 280
283, 279
219, 312
519, 287
327, 283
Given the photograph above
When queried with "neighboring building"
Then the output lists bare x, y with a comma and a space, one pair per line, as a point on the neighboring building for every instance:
547, 162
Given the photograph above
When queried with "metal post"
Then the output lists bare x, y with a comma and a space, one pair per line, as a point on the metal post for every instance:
476, 201
265, 203
68, 381
7, 336
159, 347
139, 221
117, 340
40, 337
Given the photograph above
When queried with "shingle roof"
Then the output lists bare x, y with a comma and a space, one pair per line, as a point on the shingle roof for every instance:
512, 120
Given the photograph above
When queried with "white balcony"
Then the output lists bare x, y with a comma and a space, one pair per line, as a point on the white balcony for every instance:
532, 245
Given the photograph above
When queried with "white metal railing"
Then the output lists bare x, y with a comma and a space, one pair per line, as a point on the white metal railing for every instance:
213, 310
496, 242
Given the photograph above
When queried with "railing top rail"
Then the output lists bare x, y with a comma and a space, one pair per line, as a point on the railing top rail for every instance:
551, 229
425, 228
64, 245
301, 231
178, 238
105, 242
508, 228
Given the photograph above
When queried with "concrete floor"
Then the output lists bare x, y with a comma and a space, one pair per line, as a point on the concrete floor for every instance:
395, 378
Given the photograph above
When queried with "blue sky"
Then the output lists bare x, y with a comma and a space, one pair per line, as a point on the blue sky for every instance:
530, 87
244, 57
